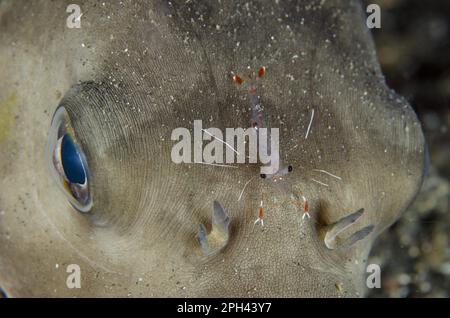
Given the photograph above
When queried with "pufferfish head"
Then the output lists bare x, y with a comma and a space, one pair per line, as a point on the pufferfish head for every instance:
97, 184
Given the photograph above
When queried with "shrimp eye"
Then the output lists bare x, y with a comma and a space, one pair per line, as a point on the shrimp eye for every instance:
263, 175
290, 168
67, 162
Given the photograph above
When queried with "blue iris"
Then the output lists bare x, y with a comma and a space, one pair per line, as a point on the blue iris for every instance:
72, 161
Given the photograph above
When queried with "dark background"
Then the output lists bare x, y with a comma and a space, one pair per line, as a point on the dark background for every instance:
413, 47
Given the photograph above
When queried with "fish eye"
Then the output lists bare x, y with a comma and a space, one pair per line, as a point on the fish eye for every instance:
67, 162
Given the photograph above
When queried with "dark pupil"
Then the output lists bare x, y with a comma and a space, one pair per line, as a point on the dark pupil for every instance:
71, 161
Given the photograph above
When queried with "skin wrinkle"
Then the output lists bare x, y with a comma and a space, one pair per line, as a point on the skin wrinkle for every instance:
125, 94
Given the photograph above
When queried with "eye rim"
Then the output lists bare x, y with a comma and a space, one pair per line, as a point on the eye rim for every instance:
78, 194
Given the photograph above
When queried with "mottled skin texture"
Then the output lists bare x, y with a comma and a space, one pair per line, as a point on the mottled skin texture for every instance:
147, 69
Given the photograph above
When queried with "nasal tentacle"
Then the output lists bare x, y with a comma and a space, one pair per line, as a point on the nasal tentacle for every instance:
217, 239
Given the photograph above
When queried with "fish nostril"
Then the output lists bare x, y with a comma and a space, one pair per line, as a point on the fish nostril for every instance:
333, 231
217, 239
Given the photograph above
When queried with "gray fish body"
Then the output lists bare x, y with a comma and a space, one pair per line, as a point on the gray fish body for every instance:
132, 74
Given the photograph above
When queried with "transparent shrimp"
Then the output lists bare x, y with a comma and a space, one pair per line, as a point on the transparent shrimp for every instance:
257, 121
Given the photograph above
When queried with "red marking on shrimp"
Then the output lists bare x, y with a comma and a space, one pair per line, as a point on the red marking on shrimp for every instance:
238, 80
261, 72
260, 219
305, 209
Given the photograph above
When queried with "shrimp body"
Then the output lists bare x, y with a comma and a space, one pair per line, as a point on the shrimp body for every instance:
257, 121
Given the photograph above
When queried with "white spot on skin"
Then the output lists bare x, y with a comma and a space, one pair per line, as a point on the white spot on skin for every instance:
310, 123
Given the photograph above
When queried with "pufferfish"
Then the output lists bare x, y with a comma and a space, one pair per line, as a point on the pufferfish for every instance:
88, 186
